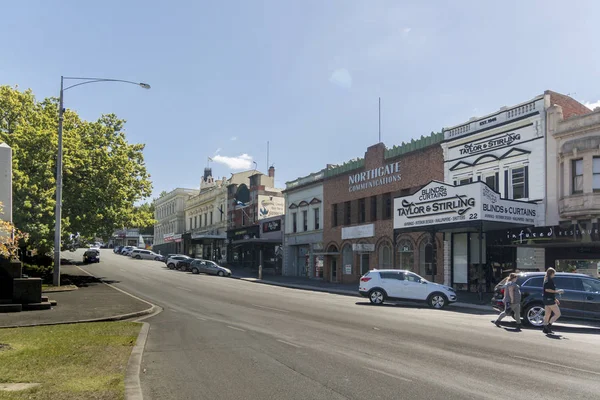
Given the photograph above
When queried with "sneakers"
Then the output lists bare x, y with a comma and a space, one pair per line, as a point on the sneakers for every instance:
497, 323
518, 329
547, 329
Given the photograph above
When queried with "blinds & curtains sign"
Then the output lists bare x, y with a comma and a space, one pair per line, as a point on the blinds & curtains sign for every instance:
439, 203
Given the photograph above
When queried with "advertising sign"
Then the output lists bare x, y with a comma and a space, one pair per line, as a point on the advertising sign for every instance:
439, 203
363, 247
357, 232
270, 206
384, 175
348, 269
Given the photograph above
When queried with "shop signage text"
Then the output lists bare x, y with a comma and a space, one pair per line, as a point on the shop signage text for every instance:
357, 232
363, 247
489, 144
374, 177
271, 226
553, 234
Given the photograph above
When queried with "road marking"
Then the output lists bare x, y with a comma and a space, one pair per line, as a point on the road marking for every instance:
558, 365
270, 308
174, 310
122, 270
182, 288
388, 374
376, 328
201, 319
237, 329
289, 344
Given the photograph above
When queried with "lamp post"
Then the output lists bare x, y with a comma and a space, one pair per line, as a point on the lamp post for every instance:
59, 157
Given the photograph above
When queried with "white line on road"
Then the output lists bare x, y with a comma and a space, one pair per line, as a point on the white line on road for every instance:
182, 288
270, 308
122, 270
237, 329
388, 374
288, 343
201, 319
558, 365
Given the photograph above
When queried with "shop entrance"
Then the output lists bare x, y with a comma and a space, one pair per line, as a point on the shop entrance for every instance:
364, 263
333, 269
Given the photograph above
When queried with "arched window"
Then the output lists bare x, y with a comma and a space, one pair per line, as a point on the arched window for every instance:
426, 258
406, 255
385, 256
347, 258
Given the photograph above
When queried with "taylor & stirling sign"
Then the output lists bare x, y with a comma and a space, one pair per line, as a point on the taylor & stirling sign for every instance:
439, 203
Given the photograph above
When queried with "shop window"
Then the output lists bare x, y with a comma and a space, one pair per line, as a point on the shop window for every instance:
426, 258
294, 223
362, 210
304, 220
596, 176
385, 256
577, 171
373, 208
316, 213
406, 255
347, 213
347, 256
334, 214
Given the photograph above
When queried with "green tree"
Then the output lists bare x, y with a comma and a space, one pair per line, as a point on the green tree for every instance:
104, 176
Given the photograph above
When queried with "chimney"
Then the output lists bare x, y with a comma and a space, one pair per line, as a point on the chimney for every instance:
271, 172
207, 173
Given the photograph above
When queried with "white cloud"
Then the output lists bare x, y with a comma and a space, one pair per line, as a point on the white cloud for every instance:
591, 106
218, 151
342, 78
243, 161
406, 30
233, 138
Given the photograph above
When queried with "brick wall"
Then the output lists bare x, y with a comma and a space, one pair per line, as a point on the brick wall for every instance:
416, 170
570, 106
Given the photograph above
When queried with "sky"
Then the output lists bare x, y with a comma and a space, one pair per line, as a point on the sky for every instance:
305, 76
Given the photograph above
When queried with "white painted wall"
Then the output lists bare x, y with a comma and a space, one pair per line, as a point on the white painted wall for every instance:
297, 196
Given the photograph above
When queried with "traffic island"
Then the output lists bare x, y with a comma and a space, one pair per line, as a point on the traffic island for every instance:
68, 362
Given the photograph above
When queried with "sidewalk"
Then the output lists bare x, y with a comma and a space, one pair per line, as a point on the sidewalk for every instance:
92, 301
466, 300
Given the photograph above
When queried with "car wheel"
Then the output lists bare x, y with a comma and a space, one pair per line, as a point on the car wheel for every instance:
437, 300
156, 258
138, 257
195, 271
377, 296
171, 266
221, 273
534, 314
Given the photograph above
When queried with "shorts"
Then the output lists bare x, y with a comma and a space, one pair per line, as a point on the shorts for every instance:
549, 301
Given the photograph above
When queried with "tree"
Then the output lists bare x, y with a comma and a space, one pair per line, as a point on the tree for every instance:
104, 176
145, 213
10, 237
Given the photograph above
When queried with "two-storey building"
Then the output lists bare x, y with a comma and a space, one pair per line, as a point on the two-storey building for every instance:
303, 241
169, 213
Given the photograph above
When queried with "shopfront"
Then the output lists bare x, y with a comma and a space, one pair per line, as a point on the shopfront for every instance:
207, 245
468, 215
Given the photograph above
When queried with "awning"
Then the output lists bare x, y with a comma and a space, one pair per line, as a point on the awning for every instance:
212, 237
256, 241
327, 253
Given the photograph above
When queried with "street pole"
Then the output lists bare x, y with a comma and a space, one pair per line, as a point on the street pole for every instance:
58, 209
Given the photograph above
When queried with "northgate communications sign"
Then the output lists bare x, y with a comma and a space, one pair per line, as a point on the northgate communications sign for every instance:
440, 203
374, 177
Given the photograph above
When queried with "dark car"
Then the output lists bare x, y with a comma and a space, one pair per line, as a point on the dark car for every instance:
185, 264
118, 249
581, 299
172, 260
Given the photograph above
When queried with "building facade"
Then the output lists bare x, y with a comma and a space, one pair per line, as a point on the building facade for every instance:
303, 239
358, 197
169, 214
248, 203
507, 152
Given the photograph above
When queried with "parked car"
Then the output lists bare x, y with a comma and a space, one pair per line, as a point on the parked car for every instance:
166, 258
145, 254
127, 250
208, 267
91, 255
581, 299
173, 261
185, 264
117, 249
398, 285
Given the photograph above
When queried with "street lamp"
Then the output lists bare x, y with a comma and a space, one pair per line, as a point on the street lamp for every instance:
58, 210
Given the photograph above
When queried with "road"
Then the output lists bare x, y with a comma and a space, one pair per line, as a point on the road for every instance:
223, 338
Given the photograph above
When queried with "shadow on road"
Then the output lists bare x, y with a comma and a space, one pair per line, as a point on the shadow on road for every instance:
84, 280
453, 309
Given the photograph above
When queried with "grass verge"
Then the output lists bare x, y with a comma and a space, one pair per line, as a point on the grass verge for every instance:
78, 361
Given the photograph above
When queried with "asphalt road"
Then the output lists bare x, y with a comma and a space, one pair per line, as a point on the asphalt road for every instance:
222, 338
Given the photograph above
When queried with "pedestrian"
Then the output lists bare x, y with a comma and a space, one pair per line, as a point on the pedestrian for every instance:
550, 301
512, 301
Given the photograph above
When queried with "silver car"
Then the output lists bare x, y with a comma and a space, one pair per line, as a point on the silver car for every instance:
209, 267
145, 254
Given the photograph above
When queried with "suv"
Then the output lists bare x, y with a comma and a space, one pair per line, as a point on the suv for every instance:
174, 260
393, 284
145, 254
581, 299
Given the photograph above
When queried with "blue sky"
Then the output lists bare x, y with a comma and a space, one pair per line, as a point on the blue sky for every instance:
304, 75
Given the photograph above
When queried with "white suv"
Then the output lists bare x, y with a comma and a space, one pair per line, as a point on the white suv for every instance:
394, 284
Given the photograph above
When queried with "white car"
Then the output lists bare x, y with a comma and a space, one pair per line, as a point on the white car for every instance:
145, 254
174, 260
127, 250
401, 285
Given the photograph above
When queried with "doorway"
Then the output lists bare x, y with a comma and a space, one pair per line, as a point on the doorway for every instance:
334, 269
364, 263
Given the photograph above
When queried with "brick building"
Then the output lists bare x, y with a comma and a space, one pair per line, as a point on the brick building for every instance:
358, 212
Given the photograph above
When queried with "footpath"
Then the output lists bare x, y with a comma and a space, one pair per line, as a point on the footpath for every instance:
91, 301
466, 300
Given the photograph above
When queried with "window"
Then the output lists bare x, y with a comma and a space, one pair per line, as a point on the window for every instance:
347, 213
362, 210
191, 226
373, 208
534, 282
385, 257
568, 283
392, 275
304, 220
590, 285
577, 171
413, 278
195, 221
465, 181
596, 176
294, 223
387, 205
406, 258
211, 217
317, 217
334, 213
205, 219
492, 181
518, 183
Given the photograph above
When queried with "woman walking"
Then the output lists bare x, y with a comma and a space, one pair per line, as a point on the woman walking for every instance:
512, 301
550, 302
